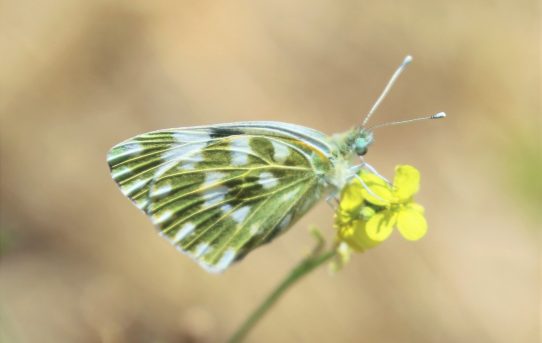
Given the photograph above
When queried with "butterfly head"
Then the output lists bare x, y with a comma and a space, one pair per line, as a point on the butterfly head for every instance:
362, 142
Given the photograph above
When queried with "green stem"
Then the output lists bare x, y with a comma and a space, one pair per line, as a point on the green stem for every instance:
303, 268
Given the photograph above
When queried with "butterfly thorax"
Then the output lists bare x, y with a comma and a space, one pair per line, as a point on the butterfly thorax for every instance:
353, 142
347, 145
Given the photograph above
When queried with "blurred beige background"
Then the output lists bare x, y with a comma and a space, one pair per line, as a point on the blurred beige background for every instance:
79, 263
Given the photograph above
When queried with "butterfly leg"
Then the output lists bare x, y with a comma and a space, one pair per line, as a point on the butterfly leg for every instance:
367, 188
333, 201
366, 165
370, 168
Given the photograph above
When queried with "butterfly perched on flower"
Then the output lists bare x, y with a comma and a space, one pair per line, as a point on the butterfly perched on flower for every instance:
217, 192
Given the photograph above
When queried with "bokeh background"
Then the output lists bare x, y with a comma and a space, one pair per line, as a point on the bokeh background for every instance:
79, 263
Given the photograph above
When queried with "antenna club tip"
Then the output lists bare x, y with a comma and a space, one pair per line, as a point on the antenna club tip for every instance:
408, 59
439, 115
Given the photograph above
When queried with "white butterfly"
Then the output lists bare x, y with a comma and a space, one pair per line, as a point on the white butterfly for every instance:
217, 192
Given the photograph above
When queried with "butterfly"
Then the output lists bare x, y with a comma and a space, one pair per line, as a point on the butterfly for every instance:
217, 192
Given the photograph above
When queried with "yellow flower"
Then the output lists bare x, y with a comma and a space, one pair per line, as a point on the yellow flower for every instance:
368, 213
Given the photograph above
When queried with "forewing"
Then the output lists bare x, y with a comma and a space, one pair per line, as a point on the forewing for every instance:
218, 192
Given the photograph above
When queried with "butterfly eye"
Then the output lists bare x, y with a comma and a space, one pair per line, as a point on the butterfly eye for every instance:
360, 146
361, 152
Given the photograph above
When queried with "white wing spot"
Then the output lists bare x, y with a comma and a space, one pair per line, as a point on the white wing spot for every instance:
240, 142
281, 151
132, 148
162, 217
159, 191
289, 195
239, 158
267, 180
129, 189
141, 204
214, 195
184, 231
212, 177
240, 214
227, 258
190, 164
191, 136
125, 150
240, 150
121, 171
254, 229
225, 208
183, 152
163, 169
201, 249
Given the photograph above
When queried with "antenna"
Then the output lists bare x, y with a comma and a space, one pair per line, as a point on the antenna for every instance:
386, 90
439, 115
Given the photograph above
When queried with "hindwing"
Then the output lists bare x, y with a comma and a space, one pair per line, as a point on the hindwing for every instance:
218, 192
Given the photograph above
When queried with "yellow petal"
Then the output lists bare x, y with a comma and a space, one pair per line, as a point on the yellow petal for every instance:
345, 230
342, 218
356, 237
415, 207
380, 226
351, 197
380, 193
411, 224
406, 182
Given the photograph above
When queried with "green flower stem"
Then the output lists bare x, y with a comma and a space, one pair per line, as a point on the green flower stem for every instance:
303, 268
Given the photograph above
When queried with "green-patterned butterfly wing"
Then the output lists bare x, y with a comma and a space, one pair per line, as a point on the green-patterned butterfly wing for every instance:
217, 192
